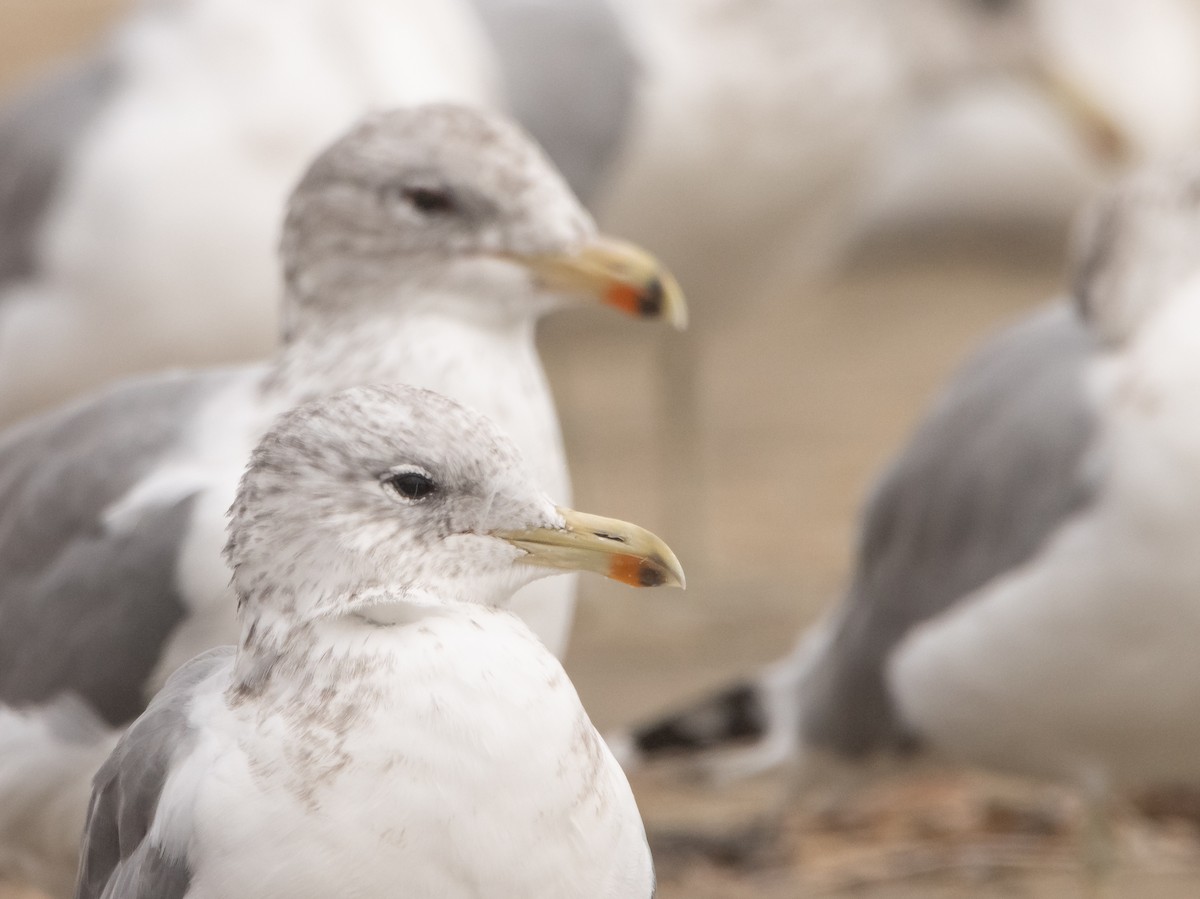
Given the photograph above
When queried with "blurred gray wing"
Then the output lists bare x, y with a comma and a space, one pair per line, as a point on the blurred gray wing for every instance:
119, 860
86, 606
992, 472
39, 133
570, 76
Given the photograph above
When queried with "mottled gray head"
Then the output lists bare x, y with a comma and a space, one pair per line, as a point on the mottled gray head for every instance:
379, 487
1137, 248
402, 491
441, 204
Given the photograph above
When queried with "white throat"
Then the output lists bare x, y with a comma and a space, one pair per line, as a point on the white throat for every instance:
491, 365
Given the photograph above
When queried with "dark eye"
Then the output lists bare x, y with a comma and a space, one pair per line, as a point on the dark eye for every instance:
429, 200
411, 485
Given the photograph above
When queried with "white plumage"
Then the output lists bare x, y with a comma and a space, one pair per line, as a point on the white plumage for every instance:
1078, 664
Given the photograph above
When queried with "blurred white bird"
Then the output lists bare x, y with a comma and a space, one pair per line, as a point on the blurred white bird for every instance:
1025, 590
420, 248
385, 727
994, 152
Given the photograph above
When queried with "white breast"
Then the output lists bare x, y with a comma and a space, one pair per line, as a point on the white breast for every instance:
464, 766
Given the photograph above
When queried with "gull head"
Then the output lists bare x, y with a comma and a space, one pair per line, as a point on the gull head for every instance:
456, 209
376, 501
1136, 250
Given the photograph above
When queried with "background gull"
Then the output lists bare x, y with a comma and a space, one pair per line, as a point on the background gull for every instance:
140, 187
384, 727
1024, 595
420, 248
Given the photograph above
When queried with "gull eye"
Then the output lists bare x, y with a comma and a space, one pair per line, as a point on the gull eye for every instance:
410, 484
428, 200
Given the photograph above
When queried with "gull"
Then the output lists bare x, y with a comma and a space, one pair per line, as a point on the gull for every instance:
139, 187
384, 726
420, 248
1025, 590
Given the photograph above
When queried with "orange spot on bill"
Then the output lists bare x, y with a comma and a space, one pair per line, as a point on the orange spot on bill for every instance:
625, 297
634, 571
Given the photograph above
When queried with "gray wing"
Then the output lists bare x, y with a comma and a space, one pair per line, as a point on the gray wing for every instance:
118, 860
570, 76
989, 475
39, 132
86, 607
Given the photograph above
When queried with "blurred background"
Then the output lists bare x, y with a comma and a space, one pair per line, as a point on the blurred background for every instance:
805, 368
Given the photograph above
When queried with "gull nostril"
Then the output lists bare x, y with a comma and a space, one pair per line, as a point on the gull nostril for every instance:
615, 538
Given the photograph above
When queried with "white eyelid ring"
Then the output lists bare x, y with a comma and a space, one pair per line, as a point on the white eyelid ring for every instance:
408, 468
408, 483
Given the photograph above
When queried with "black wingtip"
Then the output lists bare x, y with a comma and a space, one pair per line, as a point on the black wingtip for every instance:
733, 717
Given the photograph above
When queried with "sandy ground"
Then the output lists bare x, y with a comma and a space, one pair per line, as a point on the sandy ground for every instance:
803, 399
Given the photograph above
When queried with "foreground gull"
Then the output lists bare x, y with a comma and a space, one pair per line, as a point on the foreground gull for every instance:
139, 189
419, 249
1026, 593
384, 727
